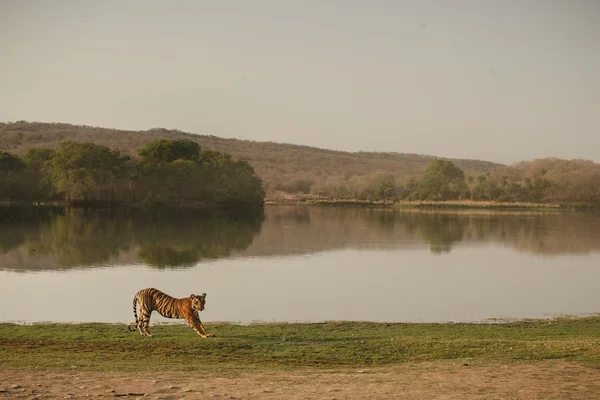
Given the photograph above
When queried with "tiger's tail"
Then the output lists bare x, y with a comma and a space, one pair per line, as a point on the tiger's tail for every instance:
134, 314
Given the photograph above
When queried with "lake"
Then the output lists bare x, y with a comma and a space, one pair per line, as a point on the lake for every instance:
300, 263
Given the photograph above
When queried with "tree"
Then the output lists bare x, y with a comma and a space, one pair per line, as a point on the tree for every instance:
443, 181
35, 183
385, 184
235, 182
10, 163
169, 150
212, 158
411, 187
537, 188
209, 176
37, 158
481, 191
504, 184
11, 168
80, 170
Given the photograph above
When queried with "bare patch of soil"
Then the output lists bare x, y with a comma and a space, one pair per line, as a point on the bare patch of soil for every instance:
429, 380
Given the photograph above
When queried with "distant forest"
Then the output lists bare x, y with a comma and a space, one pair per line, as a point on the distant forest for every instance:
292, 171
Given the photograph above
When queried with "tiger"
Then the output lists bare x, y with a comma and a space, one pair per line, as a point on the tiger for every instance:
151, 299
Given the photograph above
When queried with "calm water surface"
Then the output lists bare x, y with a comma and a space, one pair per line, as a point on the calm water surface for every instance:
291, 263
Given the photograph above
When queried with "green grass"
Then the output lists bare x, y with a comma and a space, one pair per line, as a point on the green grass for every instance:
335, 345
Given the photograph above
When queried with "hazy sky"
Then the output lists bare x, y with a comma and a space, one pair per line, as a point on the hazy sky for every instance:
504, 80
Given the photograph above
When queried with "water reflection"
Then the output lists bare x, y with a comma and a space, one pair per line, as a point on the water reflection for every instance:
37, 238
183, 238
440, 230
297, 230
49, 238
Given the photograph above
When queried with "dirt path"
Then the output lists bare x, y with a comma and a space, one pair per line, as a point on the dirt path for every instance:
431, 380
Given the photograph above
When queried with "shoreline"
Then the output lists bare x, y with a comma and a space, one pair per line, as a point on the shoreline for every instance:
396, 204
115, 205
420, 204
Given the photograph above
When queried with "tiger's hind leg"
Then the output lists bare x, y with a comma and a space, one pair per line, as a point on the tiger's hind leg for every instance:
141, 327
144, 325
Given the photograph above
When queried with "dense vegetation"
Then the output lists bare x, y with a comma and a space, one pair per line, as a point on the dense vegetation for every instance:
166, 171
304, 171
541, 181
444, 181
282, 167
100, 347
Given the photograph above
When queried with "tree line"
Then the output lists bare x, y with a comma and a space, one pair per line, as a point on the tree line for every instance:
283, 168
292, 171
443, 181
165, 171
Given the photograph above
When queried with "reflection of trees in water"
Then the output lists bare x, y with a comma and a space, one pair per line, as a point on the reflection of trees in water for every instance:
169, 238
385, 221
362, 227
164, 256
339, 227
441, 231
540, 233
17, 223
12, 231
535, 232
176, 238
80, 237
300, 215
549, 234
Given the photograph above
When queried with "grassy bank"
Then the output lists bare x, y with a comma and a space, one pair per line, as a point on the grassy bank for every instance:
110, 347
470, 204
451, 204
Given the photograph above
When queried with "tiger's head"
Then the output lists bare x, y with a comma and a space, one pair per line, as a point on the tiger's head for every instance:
198, 302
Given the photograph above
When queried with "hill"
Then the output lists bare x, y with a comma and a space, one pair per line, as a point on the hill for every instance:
282, 167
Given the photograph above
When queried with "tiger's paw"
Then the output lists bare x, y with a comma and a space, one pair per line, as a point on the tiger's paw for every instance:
211, 335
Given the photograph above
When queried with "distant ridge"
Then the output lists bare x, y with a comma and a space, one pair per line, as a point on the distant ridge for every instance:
287, 167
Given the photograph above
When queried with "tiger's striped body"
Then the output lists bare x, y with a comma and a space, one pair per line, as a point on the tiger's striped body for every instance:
186, 308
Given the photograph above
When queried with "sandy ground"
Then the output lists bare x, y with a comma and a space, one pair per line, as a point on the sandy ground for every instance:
431, 380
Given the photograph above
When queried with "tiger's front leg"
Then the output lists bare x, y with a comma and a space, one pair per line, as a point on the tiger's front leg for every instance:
200, 329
